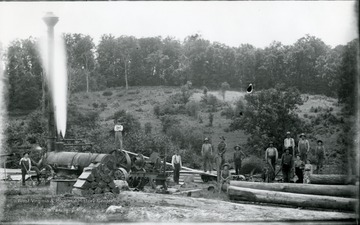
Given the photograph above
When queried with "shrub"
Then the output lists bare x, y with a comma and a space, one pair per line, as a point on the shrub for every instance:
211, 119
168, 122
157, 110
306, 115
239, 106
95, 105
103, 105
252, 163
224, 87
192, 108
228, 112
211, 101
148, 128
205, 90
107, 93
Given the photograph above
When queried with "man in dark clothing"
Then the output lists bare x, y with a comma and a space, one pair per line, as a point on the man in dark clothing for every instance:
238, 158
286, 165
25, 163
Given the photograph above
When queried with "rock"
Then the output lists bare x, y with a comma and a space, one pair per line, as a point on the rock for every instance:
121, 184
114, 209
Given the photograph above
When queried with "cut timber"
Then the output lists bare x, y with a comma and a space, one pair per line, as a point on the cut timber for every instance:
210, 210
80, 192
299, 200
82, 184
311, 189
331, 179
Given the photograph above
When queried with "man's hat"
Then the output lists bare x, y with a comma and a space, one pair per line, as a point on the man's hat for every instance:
302, 134
222, 137
271, 142
206, 139
288, 132
26, 153
237, 146
320, 141
226, 164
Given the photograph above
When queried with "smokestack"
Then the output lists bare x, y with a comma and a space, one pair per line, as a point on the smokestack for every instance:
50, 19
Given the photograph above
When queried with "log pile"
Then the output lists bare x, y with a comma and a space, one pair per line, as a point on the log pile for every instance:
97, 178
335, 197
332, 179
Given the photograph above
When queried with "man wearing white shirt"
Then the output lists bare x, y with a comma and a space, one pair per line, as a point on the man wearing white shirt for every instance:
289, 143
176, 164
118, 133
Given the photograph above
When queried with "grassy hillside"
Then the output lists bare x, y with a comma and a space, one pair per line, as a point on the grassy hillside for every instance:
140, 101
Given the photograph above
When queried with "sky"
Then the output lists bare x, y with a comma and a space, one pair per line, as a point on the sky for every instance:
233, 23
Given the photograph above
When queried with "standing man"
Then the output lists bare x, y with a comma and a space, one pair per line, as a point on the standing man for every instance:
303, 147
25, 163
271, 156
320, 156
207, 154
289, 143
118, 134
221, 156
286, 165
237, 159
176, 164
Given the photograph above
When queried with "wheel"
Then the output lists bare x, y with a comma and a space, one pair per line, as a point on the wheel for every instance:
121, 174
122, 159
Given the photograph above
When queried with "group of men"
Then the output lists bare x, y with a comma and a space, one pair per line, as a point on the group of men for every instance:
295, 161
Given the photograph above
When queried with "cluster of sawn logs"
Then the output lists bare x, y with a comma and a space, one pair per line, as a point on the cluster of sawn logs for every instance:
97, 178
338, 197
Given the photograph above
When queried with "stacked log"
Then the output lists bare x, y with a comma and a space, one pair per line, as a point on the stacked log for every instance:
97, 178
298, 200
312, 189
332, 179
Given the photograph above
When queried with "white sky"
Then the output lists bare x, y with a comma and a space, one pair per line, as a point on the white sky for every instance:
232, 23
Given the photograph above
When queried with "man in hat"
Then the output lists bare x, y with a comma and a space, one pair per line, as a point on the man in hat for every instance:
238, 158
289, 143
225, 177
303, 147
207, 154
118, 128
320, 155
221, 156
25, 163
271, 156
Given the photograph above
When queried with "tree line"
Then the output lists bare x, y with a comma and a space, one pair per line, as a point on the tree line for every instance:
309, 65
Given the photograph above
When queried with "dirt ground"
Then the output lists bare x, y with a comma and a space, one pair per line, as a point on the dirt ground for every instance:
37, 204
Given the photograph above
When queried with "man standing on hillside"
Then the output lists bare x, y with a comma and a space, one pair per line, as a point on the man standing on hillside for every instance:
221, 155
289, 143
207, 154
118, 134
303, 147
271, 156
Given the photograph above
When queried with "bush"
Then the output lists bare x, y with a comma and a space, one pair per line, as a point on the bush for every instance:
157, 110
107, 93
168, 122
211, 101
228, 112
103, 105
130, 123
148, 128
192, 108
252, 163
95, 105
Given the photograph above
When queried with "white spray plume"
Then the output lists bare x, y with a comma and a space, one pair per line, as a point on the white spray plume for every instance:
58, 81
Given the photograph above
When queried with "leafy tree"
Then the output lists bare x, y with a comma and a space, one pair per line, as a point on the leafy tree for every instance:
267, 115
25, 74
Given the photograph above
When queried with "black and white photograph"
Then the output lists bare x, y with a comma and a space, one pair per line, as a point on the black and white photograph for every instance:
150, 112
